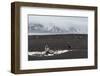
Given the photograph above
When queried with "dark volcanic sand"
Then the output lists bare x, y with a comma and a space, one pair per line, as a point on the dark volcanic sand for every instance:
77, 42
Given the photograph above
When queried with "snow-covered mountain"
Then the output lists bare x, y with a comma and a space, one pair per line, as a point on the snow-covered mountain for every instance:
55, 29
49, 28
52, 29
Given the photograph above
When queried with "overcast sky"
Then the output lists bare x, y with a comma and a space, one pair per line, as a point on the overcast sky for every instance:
63, 22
